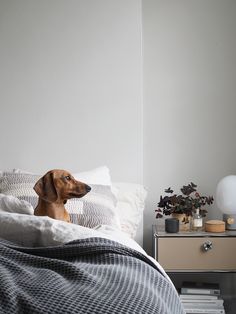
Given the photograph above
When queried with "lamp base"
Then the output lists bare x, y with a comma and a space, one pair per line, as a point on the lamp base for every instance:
230, 221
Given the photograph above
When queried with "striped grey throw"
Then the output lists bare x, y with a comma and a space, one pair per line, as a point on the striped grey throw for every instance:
93, 275
96, 208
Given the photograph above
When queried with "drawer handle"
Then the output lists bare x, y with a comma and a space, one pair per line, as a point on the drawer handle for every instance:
207, 246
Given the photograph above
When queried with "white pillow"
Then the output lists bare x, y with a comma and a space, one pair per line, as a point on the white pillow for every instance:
11, 204
100, 175
130, 205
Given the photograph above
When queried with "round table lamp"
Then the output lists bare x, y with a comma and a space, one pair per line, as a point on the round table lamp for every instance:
226, 200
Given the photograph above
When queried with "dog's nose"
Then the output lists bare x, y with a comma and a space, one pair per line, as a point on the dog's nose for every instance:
88, 188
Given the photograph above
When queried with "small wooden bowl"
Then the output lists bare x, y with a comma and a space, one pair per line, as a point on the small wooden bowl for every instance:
215, 226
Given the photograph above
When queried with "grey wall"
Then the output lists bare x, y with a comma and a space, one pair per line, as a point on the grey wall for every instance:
189, 50
70, 85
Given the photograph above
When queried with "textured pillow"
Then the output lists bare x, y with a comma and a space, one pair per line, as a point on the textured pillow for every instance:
96, 208
130, 205
20, 185
99, 208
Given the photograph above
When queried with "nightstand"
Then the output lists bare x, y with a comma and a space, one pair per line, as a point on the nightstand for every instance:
195, 251
198, 256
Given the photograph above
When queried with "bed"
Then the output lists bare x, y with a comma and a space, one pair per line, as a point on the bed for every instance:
92, 265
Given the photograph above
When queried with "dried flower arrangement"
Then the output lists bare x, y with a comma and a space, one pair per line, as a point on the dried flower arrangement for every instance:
186, 203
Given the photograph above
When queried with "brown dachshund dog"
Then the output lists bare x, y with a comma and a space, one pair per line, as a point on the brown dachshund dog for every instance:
54, 189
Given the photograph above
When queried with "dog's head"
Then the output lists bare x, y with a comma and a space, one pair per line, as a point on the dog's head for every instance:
59, 186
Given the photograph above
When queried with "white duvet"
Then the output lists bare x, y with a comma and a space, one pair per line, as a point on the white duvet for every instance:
19, 225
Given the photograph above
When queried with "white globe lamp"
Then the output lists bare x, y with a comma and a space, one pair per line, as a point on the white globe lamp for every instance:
226, 200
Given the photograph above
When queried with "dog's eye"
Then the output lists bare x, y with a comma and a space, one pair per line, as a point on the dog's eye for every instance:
67, 178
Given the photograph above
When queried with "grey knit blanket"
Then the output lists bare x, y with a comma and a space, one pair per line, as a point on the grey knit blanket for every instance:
93, 275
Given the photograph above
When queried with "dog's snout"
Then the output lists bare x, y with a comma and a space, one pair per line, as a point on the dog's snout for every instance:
88, 188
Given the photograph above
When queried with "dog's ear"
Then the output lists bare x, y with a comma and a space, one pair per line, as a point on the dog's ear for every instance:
45, 188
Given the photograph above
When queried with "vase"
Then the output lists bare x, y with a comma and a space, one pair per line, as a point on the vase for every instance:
183, 226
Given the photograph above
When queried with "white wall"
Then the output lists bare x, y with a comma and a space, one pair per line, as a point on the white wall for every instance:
70, 85
189, 50
70, 90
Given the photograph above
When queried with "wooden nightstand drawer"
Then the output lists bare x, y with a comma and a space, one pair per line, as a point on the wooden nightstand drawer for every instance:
188, 254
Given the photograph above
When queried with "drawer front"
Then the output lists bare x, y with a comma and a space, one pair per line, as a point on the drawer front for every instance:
188, 253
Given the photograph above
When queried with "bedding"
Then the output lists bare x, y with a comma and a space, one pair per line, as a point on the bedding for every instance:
99, 175
97, 207
130, 197
92, 275
130, 205
50, 266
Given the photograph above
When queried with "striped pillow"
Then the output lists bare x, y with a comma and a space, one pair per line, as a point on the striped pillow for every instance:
96, 208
